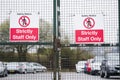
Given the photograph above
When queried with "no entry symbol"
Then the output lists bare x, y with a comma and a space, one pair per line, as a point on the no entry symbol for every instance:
89, 23
24, 21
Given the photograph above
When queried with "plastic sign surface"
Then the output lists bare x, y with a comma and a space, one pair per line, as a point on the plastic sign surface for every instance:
89, 28
24, 27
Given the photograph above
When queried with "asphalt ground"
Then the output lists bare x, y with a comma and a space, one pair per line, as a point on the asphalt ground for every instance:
49, 76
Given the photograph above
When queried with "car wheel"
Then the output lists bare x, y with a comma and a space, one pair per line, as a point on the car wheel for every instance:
92, 72
102, 74
34, 72
25, 72
6, 73
44, 70
3, 74
77, 72
106, 75
84, 71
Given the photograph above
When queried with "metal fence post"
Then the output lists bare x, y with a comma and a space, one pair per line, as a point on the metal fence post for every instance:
56, 45
58, 37
54, 38
119, 28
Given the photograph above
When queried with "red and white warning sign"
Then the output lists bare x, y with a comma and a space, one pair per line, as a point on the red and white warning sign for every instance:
24, 27
89, 28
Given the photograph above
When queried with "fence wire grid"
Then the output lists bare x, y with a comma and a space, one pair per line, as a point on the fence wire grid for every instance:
35, 60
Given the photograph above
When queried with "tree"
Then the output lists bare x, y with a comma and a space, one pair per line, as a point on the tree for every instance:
4, 31
46, 31
45, 36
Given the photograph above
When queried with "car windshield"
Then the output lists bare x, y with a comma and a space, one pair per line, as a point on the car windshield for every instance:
36, 64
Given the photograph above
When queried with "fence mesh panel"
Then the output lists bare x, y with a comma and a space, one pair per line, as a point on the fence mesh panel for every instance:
69, 9
21, 53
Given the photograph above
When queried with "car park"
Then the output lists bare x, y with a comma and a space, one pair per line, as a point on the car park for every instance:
110, 66
38, 67
80, 66
3, 70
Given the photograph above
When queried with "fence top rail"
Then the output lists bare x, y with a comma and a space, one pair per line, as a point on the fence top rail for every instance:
89, 45
26, 43
62, 45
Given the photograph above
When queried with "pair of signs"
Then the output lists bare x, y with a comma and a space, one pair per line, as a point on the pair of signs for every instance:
24, 27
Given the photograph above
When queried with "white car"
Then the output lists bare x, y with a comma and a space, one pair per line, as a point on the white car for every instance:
13, 67
3, 70
80, 66
95, 65
26, 67
38, 67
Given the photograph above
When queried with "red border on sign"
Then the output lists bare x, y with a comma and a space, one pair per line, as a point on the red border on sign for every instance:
89, 23
24, 22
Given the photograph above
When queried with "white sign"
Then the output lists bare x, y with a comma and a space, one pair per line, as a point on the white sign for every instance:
89, 28
24, 27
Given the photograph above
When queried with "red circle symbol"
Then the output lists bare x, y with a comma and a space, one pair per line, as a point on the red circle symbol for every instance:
24, 21
89, 23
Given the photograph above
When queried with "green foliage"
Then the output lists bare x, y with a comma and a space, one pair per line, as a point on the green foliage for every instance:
71, 56
4, 31
45, 31
9, 57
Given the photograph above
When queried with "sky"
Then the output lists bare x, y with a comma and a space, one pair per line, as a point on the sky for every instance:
69, 9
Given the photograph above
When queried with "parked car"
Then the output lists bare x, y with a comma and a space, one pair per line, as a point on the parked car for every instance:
38, 67
95, 65
80, 66
26, 67
87, 67
13, 67
110, 66
3, 70
20, 67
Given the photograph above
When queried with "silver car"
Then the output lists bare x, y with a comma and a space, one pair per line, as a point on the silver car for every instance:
13, 67
38, 67
110, 66
26, 67
3, 70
